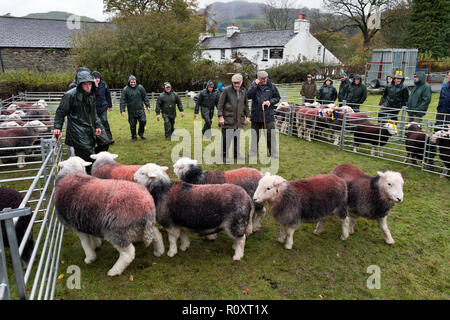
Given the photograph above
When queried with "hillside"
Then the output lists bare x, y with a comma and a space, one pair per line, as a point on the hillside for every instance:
58, 15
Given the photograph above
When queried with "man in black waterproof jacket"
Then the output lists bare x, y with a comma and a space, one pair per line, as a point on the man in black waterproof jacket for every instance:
207, 101
264, 96
166, 105
104, 103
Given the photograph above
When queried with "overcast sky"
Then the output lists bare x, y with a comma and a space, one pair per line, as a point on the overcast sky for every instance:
92, 8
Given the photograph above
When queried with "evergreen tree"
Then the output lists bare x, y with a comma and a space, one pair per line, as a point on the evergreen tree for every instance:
428, 27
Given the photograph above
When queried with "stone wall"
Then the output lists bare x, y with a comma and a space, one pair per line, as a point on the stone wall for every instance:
35, 59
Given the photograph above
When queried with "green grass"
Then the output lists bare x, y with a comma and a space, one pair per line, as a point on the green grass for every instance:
318, 267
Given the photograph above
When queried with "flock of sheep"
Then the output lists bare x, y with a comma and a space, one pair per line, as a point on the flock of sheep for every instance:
123, 203
313, 118
21, 124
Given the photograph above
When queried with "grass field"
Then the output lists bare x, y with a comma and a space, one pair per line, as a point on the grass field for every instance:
318, 267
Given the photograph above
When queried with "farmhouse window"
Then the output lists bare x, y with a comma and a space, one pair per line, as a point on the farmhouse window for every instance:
276, 53
233, 53
265, 55
222, 53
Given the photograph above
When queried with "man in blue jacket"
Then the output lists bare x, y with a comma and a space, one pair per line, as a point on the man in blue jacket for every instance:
103, 102
264, 96
443, 108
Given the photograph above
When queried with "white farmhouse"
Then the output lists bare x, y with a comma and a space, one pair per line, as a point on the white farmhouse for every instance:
267, 48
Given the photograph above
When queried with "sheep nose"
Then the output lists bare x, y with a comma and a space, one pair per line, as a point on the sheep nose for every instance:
256, 200
399, 199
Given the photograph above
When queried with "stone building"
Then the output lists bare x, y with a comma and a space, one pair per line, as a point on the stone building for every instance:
37, 44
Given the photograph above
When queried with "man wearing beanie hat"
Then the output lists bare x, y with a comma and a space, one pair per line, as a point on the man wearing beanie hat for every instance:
233, 115
309, 89
207, 101
344, 87
166, 105
104, 103
264, 97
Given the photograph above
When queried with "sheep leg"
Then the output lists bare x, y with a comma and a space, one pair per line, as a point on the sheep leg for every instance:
21, 159
257, 218
387, 234
95, 242
308, 135
174, 233
159, 243
290, 236
212, 237
249, 229
86, 244
337, 138
1, 162
239, 245
125, 258
355, 147
408, 155
185, 243
345, 228
319, 227
282, 237
380, 151
351, 225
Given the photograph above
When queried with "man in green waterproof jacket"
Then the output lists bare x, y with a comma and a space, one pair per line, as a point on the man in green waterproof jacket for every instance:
357, 93
166, 105
344, 87
133, 97
83, 124
395, 96
419, 98
327, 92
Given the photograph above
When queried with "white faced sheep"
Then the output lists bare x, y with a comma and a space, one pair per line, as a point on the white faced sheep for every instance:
303, 201
205, 209
121, 212
188, 171
442, 139
105, 167
12, 199
375, 134
282, 116
371, 197
415, 144
18, 137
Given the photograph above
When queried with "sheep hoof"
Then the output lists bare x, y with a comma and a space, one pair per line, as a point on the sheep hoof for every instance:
281, 239
211, 237
171, 253
317, 232
351, 231
157, 253
184, 247
237, 257
90, 259
343, 238
112, 273
288, 246
390, 241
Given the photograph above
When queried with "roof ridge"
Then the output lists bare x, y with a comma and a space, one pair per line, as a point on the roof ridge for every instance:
51, 19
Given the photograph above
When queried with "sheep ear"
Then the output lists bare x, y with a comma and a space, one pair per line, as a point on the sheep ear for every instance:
114, 156
94, 156
85, 163
164, 168
381, 174
61, 164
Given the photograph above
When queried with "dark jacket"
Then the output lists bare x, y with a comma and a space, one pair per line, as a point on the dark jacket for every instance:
233, 107
206, 99
420, 96
259, 94
357, 94
133, 98
103, 98
309, 90
444, 99
326, 94
387, 87
82, 119
395, 96
166, 104
343, 90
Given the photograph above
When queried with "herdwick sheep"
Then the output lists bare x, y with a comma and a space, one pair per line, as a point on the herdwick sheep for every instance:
415, 145
205, 209
442, 139
375, 134
282, 116
371, 197
303, 201
188, 171
105, 167
18, 137
121, 212
10, 198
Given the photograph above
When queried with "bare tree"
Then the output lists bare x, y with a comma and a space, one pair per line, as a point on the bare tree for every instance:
358, 13
278, 13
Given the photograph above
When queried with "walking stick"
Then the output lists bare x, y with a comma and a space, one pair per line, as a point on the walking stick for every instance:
265, 128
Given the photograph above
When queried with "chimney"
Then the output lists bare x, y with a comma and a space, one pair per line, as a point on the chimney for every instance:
203, 36
231, 30
301, 25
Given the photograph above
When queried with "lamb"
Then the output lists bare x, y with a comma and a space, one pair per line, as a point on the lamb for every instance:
205, 209
282, 116
121, 212
12, 199
18, 137
188, 171
442, 139
415, 144
307, 200
375, 134
371, 197
105, 167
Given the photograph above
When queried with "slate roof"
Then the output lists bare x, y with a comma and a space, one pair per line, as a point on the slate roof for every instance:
250, 39
37, 33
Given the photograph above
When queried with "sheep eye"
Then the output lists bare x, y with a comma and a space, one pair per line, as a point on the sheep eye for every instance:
268, 189
389, 184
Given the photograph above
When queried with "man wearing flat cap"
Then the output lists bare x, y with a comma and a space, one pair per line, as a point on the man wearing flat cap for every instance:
233, 115
309, 89
264, 97
166, 105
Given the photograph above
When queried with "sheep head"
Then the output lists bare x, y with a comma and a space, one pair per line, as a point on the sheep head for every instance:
391, 183
104, 155
182, 165
73, 165
268, 188
149, 173
438, 135
391, 127
37, 126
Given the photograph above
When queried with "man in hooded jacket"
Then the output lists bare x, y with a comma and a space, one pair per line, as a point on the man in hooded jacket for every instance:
83, 124
357, 93
443, 108
419, 98
395, 96
206, 103
327, 92
133, 97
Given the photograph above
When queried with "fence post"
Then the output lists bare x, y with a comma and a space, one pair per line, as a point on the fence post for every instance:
401, 129
291, 122
4, 284
423, 167
344, 123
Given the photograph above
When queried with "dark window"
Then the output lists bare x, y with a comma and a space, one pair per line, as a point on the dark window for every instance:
233, 53
276, 53
265, 55
222, 53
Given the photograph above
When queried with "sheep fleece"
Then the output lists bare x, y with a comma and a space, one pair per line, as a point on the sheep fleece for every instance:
116, 171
